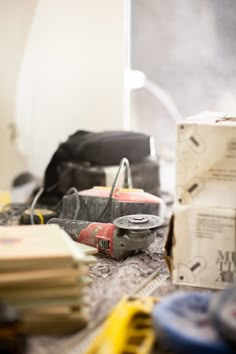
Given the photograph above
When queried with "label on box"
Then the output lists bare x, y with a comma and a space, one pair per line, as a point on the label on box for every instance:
204, 253
206, 162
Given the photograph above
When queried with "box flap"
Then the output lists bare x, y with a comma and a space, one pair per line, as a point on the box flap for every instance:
169, 243
211, 118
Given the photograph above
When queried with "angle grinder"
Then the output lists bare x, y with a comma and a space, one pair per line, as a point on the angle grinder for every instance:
120, 239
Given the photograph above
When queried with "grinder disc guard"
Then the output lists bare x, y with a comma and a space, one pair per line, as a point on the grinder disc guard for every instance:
138, 222
134, 233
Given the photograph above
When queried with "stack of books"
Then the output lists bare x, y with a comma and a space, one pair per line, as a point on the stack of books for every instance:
44, 275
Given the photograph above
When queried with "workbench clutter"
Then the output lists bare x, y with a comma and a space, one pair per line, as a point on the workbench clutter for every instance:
183, 322
115, 166
197, 322
128, 328
44, 276
200, 246
124, 237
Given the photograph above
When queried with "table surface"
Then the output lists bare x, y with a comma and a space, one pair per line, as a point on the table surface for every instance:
111, 280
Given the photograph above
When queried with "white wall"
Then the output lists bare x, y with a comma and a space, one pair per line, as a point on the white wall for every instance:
72, 76
15, 21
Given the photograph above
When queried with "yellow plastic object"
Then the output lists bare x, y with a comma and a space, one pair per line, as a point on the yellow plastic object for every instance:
128, 329
5, 198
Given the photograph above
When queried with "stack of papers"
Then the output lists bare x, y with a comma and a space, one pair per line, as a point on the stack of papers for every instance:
44, 275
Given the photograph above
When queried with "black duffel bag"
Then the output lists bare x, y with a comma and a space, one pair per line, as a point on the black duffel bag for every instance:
86, 150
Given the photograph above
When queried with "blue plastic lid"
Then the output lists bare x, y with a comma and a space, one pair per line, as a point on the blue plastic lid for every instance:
182, 322
223, 313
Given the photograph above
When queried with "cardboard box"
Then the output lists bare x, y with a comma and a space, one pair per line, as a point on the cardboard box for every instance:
206, 161
201, 246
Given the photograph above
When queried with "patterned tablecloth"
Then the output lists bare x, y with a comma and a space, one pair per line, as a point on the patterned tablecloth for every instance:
111, 280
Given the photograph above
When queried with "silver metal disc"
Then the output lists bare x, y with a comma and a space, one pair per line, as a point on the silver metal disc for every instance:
138, 222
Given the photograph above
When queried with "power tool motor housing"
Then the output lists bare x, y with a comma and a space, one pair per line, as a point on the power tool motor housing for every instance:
90, 204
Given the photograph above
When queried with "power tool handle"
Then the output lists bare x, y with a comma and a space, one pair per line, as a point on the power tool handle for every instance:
72, 227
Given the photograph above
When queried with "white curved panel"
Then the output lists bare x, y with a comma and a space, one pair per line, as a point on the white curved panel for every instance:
72, 75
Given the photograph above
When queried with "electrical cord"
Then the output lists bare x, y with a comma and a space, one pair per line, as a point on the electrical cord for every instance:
15, 210
71, 190
50, 189
127, 175
35, 200
74, 191
127, 184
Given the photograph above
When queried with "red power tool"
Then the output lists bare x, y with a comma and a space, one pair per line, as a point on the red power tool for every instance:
125, 236
97, 204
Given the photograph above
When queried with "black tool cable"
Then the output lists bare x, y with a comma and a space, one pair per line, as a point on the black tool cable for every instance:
71, 190
127, 184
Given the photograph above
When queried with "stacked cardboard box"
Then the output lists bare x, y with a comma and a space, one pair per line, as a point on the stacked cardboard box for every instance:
201, 241
44, 276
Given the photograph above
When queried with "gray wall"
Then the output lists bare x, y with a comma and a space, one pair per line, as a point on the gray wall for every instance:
187, 47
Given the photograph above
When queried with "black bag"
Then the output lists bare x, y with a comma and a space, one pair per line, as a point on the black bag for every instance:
88, 149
